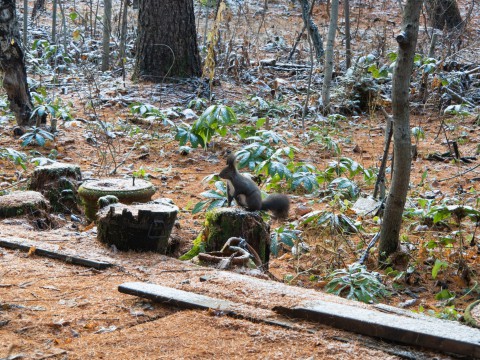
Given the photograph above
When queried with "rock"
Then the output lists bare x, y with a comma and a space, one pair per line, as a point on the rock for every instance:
189, 114
366, 206
303, 210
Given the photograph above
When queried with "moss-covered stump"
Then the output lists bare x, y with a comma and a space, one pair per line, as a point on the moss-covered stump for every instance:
472, 314
125, 190
142, 227
58, 183
21, 203
223, 223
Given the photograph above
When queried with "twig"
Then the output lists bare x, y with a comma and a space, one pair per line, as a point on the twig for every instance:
53, 355
461, 174
383, 165
458, 97
367, 250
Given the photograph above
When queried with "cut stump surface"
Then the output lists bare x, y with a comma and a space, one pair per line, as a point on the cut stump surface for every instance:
144, 227
58, 182
222, 224
125, 190
21, 203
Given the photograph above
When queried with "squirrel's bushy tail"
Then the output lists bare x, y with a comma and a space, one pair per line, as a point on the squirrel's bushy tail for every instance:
278, 204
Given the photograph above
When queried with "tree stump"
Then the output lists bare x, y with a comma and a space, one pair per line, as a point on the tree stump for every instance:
125, 190
143, 227
21, 203
58, 183
224, 223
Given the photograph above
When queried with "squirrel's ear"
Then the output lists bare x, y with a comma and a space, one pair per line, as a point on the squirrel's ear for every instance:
231, 160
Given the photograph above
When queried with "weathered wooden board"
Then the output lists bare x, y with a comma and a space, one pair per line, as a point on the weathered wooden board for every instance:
382, 321
17, 245
412, 329
174, 297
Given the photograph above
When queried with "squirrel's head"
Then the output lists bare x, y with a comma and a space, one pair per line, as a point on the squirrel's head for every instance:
230, 170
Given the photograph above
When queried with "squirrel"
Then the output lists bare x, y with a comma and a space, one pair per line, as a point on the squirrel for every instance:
247, 194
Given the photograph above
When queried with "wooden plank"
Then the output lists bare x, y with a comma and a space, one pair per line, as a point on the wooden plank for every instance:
440, 335
179, 298
15, 245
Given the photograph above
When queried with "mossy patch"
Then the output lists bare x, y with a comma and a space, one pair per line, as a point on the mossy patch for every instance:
223, 223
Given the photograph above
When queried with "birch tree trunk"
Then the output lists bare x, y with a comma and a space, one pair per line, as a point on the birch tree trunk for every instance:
327, 75
407, 41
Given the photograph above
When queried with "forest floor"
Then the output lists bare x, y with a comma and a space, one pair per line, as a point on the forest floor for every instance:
49, 309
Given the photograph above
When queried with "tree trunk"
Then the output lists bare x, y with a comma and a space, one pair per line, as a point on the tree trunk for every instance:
312, 28
444, 13
123, 33
54, 21
12, 64
348, 36
327, 78
167, 40
25, 21
407, 41
107, 29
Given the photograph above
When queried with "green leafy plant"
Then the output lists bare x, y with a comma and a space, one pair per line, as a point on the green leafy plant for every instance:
140, 173
335, 222
197, 104
55, 109
418, 133
307, 180
150, 112
45, 56
439, 265
287, 235
214, 198
247, 131
345, 188
14, 156
215, 120
357, 283
35, 135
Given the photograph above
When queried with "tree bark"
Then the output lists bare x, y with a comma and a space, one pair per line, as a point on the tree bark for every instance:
348, 36
327, 76
107, 29
407, 41
12, 62
123, 33
54, 21
444, 13
167, 40
312, 28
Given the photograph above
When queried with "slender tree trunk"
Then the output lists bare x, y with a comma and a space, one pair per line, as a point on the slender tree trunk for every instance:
167, 40
348, 36
54, 21
123, 32
312, 29
12, 64
107, 30
407, 42
25, 21
327, 78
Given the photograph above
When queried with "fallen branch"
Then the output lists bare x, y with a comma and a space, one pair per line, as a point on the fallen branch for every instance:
458, 97
461, 174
